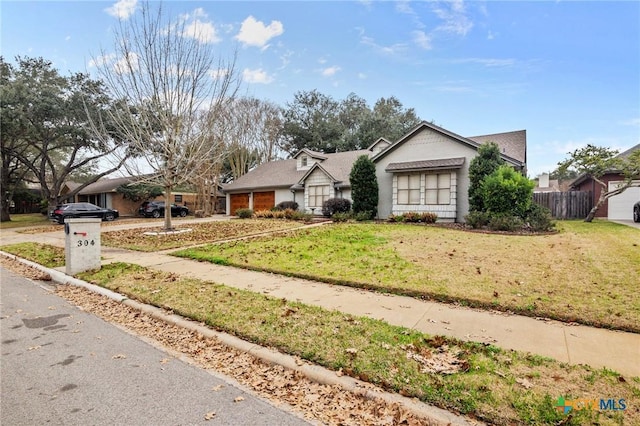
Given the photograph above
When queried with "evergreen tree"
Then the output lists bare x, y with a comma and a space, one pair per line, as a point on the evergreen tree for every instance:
487, 162
364, 187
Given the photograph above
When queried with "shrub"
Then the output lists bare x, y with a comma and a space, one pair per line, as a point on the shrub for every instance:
335, 205
341, 217
538, 218
362, 216
301, 216
505, 222
476, 219
284, 205
364, 187
487, 161
244, 213
414, 217
507, 192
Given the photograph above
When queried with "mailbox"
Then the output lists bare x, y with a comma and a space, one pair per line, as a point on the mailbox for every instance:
82, 245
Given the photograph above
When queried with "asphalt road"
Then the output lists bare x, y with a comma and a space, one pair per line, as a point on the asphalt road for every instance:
62, 366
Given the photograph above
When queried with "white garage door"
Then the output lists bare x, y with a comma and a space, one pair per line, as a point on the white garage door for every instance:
621, 206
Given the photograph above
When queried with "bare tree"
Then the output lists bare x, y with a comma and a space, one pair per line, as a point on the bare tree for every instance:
168, 70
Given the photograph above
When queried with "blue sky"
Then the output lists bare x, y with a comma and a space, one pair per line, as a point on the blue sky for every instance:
568, 72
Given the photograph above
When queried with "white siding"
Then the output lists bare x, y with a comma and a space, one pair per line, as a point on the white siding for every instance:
427, 145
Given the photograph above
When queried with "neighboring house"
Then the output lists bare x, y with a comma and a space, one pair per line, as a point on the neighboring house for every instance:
103, 193
619, 207
425, 170
544, 184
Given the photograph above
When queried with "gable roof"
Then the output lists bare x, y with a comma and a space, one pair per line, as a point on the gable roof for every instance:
517, 139
284, 173
313, 154
512, 144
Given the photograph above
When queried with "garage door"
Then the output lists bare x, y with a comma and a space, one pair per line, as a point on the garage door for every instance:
264, 200
621, 206
239, 201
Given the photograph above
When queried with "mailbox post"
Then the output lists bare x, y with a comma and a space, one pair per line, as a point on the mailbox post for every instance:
82, 245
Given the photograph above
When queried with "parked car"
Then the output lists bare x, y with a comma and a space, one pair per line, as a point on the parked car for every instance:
636, 212
80, 210
156, 209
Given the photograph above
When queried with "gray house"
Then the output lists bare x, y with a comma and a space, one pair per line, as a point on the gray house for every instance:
425, 170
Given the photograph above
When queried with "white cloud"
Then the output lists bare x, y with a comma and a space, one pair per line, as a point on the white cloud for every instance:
487, 62
122, 9
362, 76
422, 39
99, 61
387, 50
490, 35
331, 71
202, 31
256, 76
453, 13
256, 33
67, 38
218, 73
124, 65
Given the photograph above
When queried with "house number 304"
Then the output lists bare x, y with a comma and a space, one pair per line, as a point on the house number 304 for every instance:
86, 243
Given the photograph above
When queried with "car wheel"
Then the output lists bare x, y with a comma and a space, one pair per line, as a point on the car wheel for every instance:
636, 215
156, 214
109, 217
183, 213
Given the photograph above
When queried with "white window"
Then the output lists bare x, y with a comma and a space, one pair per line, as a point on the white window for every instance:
409, 189
318, 194
303, 161
437, 188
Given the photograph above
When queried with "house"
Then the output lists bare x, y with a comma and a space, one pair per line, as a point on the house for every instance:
544, 184
425, 170
618, 207
104, 193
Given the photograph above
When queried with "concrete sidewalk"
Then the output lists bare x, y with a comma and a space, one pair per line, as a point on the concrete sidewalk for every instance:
574, 344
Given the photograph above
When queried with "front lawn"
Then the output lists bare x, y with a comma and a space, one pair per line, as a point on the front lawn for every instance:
140, 239
586, 273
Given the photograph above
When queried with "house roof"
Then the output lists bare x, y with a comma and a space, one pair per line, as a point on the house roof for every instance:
410, 166
284, 173
516, 140
512, 144
105, 185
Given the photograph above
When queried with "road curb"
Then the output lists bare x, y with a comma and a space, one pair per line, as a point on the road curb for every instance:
316, 373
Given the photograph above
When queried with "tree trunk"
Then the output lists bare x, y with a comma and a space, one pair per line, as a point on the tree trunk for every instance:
601, 200
167, 208
5, 216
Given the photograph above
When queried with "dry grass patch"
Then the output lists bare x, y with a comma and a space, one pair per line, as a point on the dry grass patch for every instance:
201, 233
586, 273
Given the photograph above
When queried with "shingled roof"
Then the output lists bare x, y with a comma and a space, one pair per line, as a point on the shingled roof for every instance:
512, 144
284, 173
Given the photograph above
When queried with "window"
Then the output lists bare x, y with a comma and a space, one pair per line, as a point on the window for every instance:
177, 198
303, 161
437, 188
409, 189
318, 195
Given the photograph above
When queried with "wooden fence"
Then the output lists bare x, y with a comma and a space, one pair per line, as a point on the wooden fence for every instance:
566, 205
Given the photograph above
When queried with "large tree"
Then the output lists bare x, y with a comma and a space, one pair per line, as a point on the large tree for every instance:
388, 119
168, 70
46, 131
595, 162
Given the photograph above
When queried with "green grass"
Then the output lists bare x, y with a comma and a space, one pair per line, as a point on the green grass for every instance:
25, 220
487, 385
586, 273
43, 254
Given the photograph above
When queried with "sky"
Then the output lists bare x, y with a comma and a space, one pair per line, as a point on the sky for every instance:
567, 72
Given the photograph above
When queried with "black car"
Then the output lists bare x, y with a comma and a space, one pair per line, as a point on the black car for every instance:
156, 209
80, 210
636, 212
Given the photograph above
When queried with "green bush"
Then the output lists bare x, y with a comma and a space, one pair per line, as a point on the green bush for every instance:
284, 205
244, 213
538, 218
414, 217
505, 222
341, 217
301, 216
362, 216
477, 220
364, 188
507, 192
335, 205
487, 162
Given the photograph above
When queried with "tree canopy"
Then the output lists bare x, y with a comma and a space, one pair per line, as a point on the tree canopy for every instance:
487, 162
46, 129
318, 122
595, 162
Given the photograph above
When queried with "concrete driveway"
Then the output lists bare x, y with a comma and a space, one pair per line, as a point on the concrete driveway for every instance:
630, 223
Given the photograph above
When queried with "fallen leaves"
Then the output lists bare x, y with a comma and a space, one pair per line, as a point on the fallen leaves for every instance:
238, 399
210, 415
119, 356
